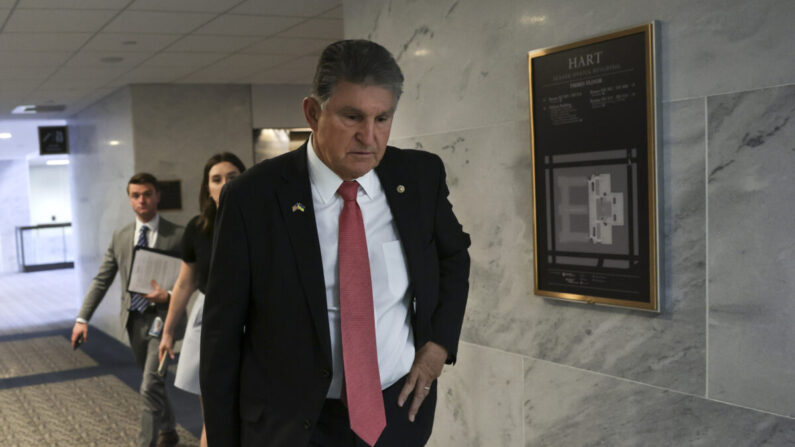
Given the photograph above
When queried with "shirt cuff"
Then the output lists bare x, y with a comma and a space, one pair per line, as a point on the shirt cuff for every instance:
81, 320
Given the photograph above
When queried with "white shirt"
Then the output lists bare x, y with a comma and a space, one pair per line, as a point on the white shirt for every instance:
388, 271
151, 235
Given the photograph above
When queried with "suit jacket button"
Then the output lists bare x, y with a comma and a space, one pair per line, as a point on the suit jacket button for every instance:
307, 424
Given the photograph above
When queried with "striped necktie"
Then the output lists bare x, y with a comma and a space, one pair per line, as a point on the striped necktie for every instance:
137, 302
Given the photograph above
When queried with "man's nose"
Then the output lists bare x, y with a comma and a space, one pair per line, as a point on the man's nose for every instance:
366, 133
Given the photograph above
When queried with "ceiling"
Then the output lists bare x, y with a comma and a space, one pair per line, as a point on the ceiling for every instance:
74, 52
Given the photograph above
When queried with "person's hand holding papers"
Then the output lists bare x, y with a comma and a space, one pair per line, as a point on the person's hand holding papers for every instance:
158, 295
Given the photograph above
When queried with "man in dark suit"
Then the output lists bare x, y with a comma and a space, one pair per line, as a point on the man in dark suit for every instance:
339, 278
138, 312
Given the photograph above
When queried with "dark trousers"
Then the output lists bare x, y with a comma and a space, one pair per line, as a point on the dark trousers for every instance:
156, 414
333, 429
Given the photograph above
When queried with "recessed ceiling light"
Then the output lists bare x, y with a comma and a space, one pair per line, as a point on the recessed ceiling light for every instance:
57, 162
5, 135
114, 142
28, 109
111, 59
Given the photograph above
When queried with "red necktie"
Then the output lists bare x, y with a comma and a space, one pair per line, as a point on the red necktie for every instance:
357, 320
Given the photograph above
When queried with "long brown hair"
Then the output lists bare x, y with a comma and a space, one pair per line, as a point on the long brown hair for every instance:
206, 203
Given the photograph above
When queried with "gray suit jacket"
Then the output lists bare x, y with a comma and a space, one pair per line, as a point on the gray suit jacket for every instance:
118, 258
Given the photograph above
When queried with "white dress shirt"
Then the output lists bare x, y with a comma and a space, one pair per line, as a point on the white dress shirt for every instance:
388, 271
151, 236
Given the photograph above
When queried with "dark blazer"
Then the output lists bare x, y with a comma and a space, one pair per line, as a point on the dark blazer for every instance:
265, 349
118, 257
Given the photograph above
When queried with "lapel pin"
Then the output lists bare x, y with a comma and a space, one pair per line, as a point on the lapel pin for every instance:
299, 207
401, 189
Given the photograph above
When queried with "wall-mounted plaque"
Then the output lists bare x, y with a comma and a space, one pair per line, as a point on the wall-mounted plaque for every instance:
594, 142
53, 140
170, 195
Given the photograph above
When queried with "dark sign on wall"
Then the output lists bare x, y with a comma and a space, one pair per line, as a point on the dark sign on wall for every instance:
593, 125
170, 195
53, 140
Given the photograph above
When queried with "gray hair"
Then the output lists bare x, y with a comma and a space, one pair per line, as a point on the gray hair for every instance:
359, 62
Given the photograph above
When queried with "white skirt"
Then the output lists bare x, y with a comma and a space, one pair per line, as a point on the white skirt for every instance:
187, 377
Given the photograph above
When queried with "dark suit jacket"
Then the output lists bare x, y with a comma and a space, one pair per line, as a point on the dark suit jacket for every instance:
118, 258
265, 349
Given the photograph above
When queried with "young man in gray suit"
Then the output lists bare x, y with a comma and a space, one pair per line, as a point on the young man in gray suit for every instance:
139, 312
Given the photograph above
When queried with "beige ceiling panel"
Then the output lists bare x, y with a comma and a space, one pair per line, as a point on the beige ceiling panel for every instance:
157, 22
42, 41
107, 59
185, 5
186, 60
334, 13
289, 45
255, 61
19, 73
3, 14
238, 25
145, 75
67, 85
124, 42
220, 44
298, 8
57, 21
317, 28
34, 59
59, 96
96, 75
214, 76
20, 86
72, 4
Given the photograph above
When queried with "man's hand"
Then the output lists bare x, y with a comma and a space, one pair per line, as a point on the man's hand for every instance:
80, 329
427, 367
158, 295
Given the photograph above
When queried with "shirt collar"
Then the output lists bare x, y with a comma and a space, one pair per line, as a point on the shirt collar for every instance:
152, 224
327, 182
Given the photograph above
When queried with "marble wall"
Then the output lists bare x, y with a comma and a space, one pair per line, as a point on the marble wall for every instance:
16, 212
716, 366
278, 106
178, 127
99, 174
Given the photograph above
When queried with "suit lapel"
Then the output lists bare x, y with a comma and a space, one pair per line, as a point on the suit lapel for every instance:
403, 198
302, 229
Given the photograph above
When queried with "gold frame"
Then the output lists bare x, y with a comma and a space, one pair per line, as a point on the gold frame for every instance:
654, 304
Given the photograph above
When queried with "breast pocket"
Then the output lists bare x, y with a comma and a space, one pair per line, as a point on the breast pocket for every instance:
396, 269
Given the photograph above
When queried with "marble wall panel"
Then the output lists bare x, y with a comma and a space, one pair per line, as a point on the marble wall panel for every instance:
278, 105
751, 185
489, 177
178, 127
480, 400
16, 210
99, 174
465, 61
570, 407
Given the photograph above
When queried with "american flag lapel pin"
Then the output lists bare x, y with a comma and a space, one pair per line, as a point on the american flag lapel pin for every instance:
299, 207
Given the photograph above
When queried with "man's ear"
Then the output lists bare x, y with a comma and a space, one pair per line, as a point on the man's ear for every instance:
311, 112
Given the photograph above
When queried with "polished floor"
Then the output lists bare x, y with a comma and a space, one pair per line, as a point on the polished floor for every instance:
53, 395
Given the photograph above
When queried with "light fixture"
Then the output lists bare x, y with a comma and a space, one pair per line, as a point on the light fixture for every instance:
60, 162
114, 142
5, 135
422, 52
532, 20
